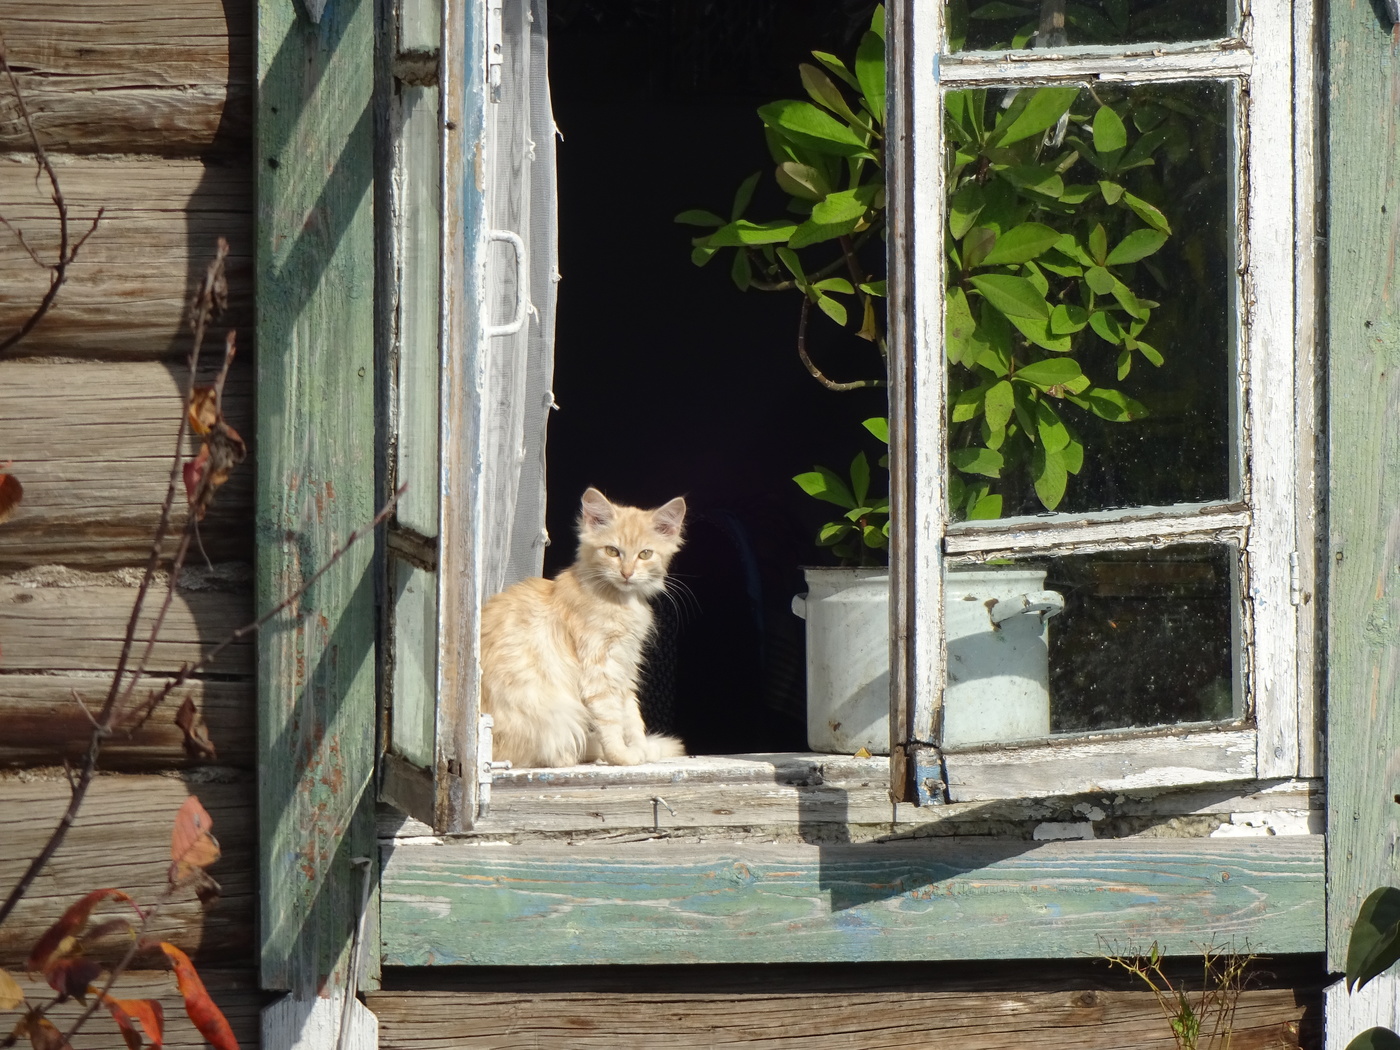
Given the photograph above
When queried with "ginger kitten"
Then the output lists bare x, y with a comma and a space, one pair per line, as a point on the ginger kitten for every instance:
560, 658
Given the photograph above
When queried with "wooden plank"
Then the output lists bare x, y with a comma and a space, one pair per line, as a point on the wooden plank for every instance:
661, 902
1109, 63
315, 483
122, 840
103, 77
774, 1018
91, 443
128, 291
1066, 767
81, 627
45, 727
1363, 388
1351, 1013
235, 992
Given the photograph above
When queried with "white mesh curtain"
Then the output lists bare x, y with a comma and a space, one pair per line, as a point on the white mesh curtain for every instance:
520, 203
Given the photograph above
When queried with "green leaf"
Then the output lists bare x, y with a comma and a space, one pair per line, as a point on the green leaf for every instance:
870, 71
824, 92
1107, 327
826, 484
1375, 1039
805, 125
832, 309
1048, 469
744, 194
699, 217
1375, 938
1151, 353
1137, 245
742, 232
1098, 243
1021, 244
1069, 247
963, 209
879, 289
1125, 363
999, 403
1112, 192
833, 532
1147, 213
1113, 405
860, 477
967, 405
1037, 330
978, 242
1067, 319
879, 426
985, 509
977, 461
1073, 455
1013, 296
1100, 280
1109, 132
1036, 276
740, 270
876, 538
789, 258
1053, 371
835, 284
1042, 112
802, 180
846, 204
836, 66
960, 329
700, 255
1036, 178
1128, 301
1054, 435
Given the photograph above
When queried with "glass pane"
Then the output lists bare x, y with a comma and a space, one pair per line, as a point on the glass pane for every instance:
995, 25
1085, 642
1090, 298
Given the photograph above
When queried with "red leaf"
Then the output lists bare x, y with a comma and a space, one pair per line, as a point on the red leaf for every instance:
205, 1016
11, 492
71, 976
128, 1013
194, 471
68, 924
192, 847
197, 741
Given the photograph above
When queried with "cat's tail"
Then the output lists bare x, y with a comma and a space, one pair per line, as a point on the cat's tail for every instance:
658, 746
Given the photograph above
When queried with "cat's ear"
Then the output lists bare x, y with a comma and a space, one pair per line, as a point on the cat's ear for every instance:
667, 520
595, 512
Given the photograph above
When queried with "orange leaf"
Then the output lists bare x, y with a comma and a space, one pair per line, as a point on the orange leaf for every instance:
205, 1016
192, 847
11, 994
11, 492
128, 1013
204, 409
42, 1034
68, 924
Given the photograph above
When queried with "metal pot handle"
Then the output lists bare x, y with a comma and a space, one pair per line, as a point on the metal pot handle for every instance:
799, 606
1047, 603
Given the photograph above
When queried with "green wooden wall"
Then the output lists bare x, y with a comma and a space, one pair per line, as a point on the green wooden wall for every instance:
1362, 329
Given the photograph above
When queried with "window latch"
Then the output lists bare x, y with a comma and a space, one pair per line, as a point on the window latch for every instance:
486, 768
1295, 582
495, 48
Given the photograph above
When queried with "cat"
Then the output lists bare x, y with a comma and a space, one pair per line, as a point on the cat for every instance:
560, 658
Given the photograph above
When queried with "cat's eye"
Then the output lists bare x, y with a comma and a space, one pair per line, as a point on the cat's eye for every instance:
644, 555
612, 552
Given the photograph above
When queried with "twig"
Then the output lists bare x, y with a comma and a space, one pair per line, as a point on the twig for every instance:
66, 254
817, 373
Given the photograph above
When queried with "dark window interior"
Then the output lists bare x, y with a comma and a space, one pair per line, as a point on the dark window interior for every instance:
670, 380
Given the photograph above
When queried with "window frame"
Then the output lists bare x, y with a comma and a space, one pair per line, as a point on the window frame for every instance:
1272, 523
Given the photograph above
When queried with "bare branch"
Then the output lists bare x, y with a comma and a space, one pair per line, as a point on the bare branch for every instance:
817, 373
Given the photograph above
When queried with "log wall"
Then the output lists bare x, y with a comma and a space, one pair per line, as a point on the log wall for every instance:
145, 110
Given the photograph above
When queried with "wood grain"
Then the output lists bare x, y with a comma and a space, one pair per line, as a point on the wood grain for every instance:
235, 993
122, 840
81, 628
713, 902
1085, 1019
1363, 337
92, 444
45, 727
100, 76
315, 482
127, 293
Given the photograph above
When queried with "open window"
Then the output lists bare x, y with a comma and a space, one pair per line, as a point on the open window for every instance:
1175, 549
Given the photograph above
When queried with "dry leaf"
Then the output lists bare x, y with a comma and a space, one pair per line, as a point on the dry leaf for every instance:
192, 847
128, 1013
197, 742
11, 994
203, 1014
58, 939
42, 1034
862, 753
204, 409
70, 976
11, 492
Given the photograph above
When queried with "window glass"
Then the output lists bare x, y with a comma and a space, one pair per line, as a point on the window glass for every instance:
988, 25
1090, 304
1085, 642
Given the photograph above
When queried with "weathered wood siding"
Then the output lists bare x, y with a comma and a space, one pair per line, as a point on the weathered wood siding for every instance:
145, 110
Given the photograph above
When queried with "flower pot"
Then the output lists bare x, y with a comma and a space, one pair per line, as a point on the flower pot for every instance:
998, 657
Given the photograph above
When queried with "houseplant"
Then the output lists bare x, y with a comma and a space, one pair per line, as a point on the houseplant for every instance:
1051, 230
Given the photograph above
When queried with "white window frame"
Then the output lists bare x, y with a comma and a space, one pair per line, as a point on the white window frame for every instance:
1272, 523
446, 784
